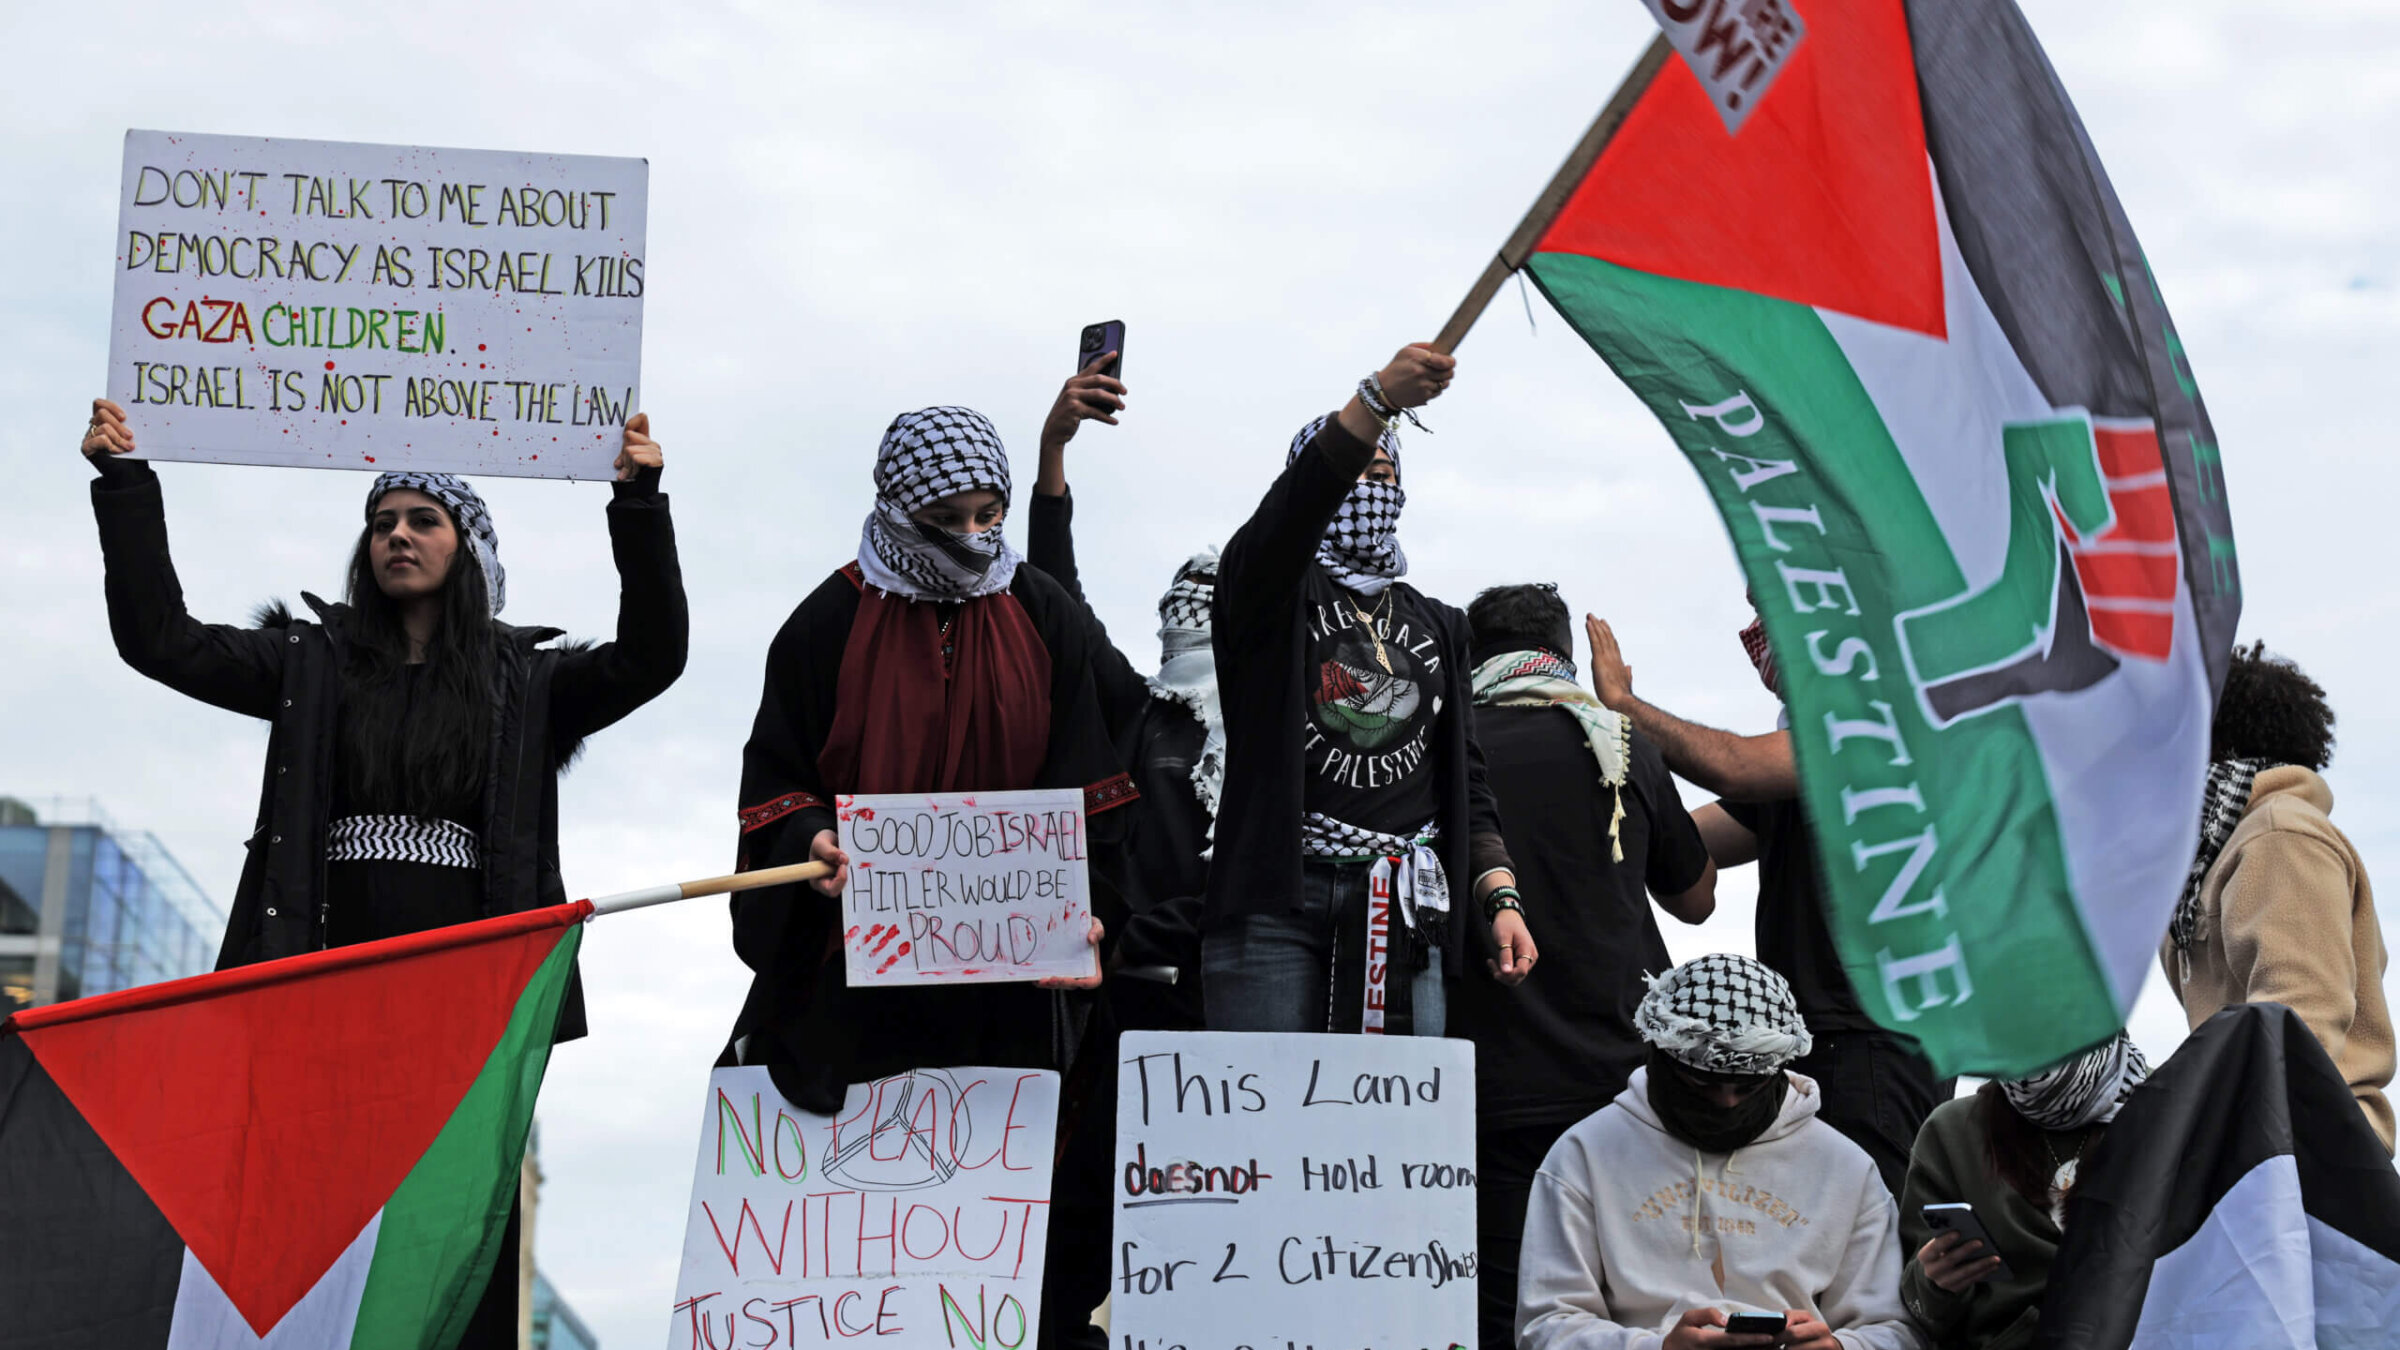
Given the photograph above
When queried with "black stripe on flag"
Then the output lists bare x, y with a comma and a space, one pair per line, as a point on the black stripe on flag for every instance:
2043, 234
2250, 1088
86, 1260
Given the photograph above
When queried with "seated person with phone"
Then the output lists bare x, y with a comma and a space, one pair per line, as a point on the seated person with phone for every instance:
1707, 1208
1986, 1197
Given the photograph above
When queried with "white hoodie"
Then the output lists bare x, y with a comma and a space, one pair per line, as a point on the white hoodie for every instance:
1629, 1227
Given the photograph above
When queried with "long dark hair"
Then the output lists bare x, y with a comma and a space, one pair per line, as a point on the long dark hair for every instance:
2015, 1148
433, 756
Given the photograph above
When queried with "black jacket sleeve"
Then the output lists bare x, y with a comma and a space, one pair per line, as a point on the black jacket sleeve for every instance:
1486, 848
1258, 579
596, 686
1050, 547
783, 933
237, 669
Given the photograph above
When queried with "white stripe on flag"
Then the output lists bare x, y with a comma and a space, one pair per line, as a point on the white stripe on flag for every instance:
2263, 1275
205, 1319
2124, 760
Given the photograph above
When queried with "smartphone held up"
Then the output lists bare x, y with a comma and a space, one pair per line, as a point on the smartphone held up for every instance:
1100, 338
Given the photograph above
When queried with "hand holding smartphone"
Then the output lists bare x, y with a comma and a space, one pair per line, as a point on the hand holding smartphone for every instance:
1755, 1324
1099, 338
1960, 1219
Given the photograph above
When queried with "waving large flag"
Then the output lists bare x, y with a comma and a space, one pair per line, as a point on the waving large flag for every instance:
1901, 326
315, 1152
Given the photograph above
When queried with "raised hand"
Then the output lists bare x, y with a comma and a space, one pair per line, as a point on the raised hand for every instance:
640, 451
1416, 375
107, 432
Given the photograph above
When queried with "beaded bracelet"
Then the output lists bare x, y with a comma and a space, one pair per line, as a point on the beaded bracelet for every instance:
1381, 407
1502, 897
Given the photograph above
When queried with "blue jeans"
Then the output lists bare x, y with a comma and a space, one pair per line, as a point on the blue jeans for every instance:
1271, 972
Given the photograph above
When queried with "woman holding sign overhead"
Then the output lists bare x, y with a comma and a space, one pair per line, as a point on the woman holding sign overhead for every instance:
934, 661
412, 768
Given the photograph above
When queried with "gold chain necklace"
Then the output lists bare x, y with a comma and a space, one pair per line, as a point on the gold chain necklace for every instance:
1382, 658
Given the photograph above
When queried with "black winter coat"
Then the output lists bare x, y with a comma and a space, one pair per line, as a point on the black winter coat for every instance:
287, 670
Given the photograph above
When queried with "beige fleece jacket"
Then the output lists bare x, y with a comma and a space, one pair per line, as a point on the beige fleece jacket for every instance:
2287, 916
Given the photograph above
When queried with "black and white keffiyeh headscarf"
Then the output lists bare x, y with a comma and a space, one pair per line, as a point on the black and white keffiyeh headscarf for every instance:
2085, 1090
1187, 669
1361, 548
2223, 802
927, 455
467, 512
1723, 1013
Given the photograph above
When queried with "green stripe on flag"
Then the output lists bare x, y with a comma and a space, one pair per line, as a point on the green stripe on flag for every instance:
442, 1227
1945, 875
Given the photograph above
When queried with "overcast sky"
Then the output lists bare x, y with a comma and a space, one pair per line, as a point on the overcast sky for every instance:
857, 210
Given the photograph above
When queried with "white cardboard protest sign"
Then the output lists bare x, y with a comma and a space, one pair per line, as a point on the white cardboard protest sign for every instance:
916, 1217
1301, 1189
1735, 47
335, 305
965, 888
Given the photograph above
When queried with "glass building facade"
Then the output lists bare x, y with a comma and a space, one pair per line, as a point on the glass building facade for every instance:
89, 908
555, 1325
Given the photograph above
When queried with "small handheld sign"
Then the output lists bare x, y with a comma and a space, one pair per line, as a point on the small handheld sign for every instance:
965, 888
331, 305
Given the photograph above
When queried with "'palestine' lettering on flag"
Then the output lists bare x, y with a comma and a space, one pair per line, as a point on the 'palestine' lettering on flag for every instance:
319, 1151
1902, 328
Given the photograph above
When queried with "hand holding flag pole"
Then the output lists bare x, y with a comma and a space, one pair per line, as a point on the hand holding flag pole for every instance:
690, 890
1546, 207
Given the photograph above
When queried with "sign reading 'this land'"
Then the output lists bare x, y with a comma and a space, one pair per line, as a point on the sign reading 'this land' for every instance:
1293, 1190
966, 888
332, 305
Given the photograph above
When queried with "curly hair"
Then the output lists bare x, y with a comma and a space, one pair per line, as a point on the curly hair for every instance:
2271, 710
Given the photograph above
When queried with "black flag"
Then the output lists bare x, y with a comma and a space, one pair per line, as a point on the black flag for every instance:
2240, 1199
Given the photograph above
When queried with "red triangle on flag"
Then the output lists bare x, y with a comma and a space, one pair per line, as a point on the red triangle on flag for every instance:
271, 1110
1825, 198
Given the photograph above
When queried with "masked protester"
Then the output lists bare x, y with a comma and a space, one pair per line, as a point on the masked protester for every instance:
2278, 908
1878, 1086
1350, 760
2013, 1151
1709, 1188
416, 743
935, 661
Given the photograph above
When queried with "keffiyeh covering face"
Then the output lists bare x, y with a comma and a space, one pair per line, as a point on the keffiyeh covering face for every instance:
1723, 1013
927, 455
1762, 657
1187, 671
1360, 547
2085, 1090
467, 512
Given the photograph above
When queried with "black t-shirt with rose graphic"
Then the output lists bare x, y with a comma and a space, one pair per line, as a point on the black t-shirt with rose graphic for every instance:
1374, 669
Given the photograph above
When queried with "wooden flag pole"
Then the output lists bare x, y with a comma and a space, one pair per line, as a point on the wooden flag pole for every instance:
1546, 207
688, 890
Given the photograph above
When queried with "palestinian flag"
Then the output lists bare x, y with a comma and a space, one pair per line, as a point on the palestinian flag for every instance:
1901, 326
320, 1151
2239, 1199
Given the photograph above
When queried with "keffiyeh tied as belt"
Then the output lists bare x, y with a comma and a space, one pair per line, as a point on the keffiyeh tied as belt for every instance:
1406, 868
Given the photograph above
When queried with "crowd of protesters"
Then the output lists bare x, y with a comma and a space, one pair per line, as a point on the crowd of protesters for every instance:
1318, 732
